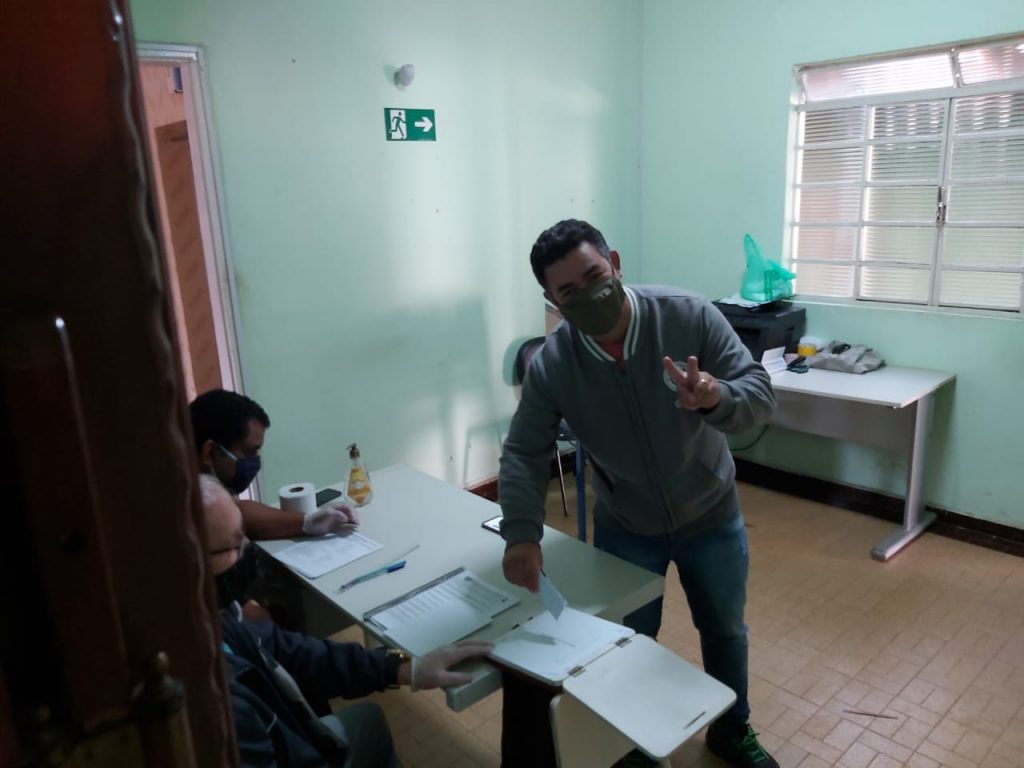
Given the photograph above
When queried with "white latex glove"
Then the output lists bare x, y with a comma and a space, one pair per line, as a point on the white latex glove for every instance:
433, 670
332, 517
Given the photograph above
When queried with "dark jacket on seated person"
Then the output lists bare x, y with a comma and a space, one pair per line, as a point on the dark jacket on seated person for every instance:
274, 724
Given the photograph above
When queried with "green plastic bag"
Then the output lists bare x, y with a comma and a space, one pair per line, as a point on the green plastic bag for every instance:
765, 280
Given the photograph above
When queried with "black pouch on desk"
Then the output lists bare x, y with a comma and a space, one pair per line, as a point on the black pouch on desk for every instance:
326, 494
847, 358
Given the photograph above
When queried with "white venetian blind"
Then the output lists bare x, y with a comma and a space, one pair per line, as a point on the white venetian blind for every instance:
899, 75
982, 250
984, 63
909, 178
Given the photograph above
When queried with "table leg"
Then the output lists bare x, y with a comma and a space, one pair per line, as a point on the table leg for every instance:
581, 493
915, 517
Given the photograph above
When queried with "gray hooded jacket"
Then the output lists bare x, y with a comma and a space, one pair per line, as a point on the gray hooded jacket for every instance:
659, 468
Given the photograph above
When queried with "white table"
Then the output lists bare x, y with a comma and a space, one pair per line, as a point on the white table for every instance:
409, 507
889, 408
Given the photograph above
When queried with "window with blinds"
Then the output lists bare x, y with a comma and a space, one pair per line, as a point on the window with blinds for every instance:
909, 178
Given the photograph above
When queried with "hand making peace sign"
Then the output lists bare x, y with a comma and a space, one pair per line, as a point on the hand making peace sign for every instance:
696, 389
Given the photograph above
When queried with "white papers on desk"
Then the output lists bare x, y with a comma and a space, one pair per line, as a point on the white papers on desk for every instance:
774, 360
441, 611
739, 301
315, 557
549, 648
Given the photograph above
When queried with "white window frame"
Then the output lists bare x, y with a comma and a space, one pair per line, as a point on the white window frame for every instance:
801, 106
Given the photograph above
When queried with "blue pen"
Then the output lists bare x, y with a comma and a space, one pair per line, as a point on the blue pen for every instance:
397, 565
377, 572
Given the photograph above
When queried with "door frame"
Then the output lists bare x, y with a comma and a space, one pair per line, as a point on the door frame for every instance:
210, 200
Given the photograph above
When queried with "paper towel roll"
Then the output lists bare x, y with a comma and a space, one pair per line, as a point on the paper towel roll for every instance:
298, 497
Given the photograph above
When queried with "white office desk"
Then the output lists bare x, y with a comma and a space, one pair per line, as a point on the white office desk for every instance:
888, 408
409, 507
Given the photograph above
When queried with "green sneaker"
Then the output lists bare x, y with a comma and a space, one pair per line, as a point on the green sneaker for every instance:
636, 759
738, 746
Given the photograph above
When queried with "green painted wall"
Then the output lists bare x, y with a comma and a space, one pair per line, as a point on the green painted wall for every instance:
382, 284
716, 82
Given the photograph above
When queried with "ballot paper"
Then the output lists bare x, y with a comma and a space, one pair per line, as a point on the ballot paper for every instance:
315, 557
551, 597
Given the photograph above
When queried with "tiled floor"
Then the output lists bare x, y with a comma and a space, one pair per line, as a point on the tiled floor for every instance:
933, 640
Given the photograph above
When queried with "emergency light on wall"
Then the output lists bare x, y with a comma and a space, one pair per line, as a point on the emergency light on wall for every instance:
404, 75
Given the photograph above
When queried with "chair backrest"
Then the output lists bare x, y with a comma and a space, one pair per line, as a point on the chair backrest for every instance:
525, 356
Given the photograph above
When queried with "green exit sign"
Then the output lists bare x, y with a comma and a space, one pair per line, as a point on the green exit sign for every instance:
402, 124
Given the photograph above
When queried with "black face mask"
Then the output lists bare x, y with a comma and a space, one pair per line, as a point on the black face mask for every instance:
246, 469
595, 310
236, 583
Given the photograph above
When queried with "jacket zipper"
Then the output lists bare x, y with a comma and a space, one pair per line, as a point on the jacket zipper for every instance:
646, 447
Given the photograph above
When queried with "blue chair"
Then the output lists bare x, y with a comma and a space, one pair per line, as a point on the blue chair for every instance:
522, 362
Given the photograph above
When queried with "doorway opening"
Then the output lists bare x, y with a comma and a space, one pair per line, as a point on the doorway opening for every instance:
182, 157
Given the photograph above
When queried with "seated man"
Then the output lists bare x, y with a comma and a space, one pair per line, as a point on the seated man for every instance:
229, 429
272, 674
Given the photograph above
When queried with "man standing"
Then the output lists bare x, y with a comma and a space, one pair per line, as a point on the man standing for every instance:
650, 379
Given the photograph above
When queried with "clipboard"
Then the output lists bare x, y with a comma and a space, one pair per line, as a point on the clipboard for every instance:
442, 611
411, 594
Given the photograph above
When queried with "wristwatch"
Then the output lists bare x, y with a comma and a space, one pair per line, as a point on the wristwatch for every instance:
394, 658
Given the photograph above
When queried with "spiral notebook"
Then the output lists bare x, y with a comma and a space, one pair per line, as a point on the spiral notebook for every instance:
440, 612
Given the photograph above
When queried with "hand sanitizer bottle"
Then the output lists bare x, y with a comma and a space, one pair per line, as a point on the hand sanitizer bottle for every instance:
359, 490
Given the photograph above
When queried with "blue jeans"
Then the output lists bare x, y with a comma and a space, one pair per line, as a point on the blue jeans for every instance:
713, 568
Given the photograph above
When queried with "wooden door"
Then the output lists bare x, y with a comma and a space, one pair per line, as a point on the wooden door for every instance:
102, 563
179, 196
